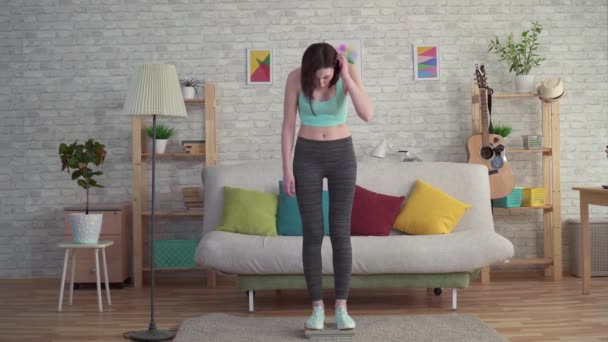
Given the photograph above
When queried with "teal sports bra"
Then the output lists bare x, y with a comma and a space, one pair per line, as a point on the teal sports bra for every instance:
326, 113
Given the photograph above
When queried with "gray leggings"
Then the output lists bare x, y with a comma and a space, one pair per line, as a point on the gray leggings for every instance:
313, 161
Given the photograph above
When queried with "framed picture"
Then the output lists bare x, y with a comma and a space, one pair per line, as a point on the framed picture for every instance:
352, 49
426, 62
259, 66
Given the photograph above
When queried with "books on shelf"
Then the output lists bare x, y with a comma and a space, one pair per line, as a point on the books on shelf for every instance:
193, 199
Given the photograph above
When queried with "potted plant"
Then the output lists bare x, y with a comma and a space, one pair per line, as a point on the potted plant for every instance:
502, 130
85, 227
189, 87
520, 56
163, 134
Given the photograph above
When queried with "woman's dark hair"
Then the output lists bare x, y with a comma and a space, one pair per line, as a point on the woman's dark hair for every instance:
317, 56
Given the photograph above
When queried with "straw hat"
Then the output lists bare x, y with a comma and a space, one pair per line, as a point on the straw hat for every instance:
551, 89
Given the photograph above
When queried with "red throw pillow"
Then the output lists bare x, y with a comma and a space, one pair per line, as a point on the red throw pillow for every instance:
373, 213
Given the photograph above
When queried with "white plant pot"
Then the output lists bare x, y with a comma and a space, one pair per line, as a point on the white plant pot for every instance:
85, 228
524, 84
188, 92
161, 145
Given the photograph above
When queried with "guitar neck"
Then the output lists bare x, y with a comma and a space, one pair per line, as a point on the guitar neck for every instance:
483, 100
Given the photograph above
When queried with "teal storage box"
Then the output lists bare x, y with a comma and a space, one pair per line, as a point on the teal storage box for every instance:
512, 200
175, 253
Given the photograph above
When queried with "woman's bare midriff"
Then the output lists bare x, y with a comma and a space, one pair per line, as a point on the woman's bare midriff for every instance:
324, 133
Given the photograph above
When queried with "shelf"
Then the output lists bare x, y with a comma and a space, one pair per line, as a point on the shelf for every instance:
174, 213
547, 207
544, 150
530, 261
513, 96
194, 100
178, 155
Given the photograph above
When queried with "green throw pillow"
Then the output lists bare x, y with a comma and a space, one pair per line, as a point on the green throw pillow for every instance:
289, 221
249, 212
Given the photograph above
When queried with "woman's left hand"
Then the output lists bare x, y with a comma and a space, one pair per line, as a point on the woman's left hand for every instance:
343, 65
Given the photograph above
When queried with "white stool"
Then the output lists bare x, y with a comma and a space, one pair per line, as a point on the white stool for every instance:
97, 246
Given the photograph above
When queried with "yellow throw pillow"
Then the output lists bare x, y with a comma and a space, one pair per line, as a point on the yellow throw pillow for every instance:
429, 210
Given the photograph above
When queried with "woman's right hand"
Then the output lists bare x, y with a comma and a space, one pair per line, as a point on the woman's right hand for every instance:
289, 184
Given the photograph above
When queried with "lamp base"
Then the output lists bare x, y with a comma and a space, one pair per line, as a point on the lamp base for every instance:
151, 335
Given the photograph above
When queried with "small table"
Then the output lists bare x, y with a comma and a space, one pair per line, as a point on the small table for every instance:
596, 196
76, 246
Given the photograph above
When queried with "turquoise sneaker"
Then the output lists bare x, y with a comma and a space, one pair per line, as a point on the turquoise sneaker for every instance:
343, 320
317, 320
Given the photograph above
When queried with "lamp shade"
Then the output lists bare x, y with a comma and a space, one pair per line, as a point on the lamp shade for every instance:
155, 90
380, 150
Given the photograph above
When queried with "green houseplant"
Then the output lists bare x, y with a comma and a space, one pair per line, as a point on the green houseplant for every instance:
75, 159
163, 134
502, 130
520, 56
189, 87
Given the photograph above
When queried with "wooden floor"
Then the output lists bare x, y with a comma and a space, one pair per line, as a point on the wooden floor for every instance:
522, 307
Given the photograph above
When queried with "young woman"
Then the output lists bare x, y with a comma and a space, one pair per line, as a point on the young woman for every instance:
319, 91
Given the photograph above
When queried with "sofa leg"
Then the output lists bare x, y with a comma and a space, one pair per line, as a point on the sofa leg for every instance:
211, 279
485, 275
437, 291
454, 299
251, 309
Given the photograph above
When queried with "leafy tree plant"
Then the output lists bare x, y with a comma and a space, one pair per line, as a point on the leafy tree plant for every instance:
77, 157
520, 56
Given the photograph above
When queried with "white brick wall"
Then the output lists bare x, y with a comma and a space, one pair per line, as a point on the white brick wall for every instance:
65, 63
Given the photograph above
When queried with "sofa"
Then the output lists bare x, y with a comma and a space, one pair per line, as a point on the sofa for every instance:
395, 261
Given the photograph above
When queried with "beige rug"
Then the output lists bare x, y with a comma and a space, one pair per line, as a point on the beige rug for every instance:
427, 328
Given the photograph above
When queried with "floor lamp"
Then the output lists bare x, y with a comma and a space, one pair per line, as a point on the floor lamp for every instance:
155, 91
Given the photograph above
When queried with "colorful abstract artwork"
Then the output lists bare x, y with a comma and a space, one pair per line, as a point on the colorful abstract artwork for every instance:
352, 49
426, 62
259, 66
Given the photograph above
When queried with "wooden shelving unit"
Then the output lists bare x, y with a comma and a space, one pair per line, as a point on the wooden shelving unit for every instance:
141, 210
550, 154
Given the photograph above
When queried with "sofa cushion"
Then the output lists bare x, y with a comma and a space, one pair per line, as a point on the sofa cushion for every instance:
429, 210
463, 251
249, 212
289, 221
373, 213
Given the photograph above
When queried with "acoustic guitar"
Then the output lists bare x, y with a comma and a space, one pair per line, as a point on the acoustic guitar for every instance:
489, 149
